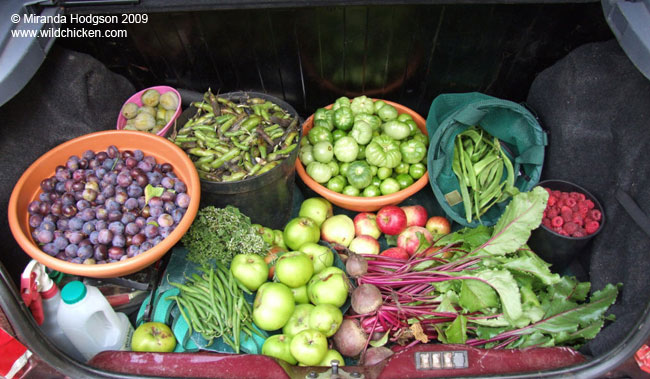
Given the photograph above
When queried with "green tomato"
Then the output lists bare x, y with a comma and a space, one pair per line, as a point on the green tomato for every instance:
334, 167
323, 114
412, 151
396, 130
383, 151
319, 134
327, 124
361, 132
336, 184
359, 174
320, 172
417, 170
371, 191
375, 181
384, 172
346, 149
373, 170
403, 117
404, 180
323, 152
343, 168
413, 126
374, 121
362, 104
419, 136
350, 191
306, 155
387, 113
343, 118
362, 152
388, 186
378, 104
402, 168
337, 134
341, 102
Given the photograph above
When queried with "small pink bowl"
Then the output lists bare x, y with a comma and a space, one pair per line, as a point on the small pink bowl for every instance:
137, 99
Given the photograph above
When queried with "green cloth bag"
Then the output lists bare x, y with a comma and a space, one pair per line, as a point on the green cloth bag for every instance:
521, 136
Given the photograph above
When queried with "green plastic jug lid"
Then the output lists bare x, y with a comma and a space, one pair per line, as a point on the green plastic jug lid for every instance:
73, 292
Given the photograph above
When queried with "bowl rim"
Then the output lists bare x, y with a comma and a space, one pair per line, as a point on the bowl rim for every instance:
137, 98
375, 201
588, 195
107, 270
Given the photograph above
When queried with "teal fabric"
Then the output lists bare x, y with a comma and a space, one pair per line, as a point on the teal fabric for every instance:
521, 136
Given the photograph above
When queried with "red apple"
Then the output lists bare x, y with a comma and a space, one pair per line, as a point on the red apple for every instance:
438, 225
366, 224
395, 252
409, 239
391, 220
416, 215
364, 245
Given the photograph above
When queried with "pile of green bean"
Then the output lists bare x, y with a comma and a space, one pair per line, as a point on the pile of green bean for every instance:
213, 305
479, 163
230, 141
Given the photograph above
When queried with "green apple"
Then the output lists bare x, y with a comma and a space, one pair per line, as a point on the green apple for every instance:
325, 318
309, 347
278, 239
329, 286
321, 256
299, 231
250, 269
317, 209
330, 356
294, 269
279, 346
268, 235
273, 306
300, 295
153, 337
299, 320
338, 229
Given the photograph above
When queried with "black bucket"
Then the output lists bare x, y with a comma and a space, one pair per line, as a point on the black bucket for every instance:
555, 248
268, 198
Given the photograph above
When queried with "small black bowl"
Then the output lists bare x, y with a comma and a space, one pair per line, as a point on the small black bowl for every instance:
556, 248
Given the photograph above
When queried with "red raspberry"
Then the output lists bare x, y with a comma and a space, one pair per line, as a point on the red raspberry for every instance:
552, 200
547, 222
577, 219
556, 194
573, 195
578, 234
548, 190
570, 202
567, 215
550, 213
570, 227
563, 232
557, 222
566, 209
581, 197
575, 209
583, 209
591, 227
595, 214
590, 204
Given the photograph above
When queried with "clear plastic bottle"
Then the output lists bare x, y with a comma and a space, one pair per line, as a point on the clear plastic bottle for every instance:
51, 299
90, 323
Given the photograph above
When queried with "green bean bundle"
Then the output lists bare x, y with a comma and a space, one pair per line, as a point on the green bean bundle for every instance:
230, 141
480, 163
213, 305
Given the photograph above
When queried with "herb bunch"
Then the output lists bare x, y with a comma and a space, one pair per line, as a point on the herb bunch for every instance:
218, 234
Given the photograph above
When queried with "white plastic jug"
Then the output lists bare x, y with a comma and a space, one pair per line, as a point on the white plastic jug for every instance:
90, 323
50, 326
